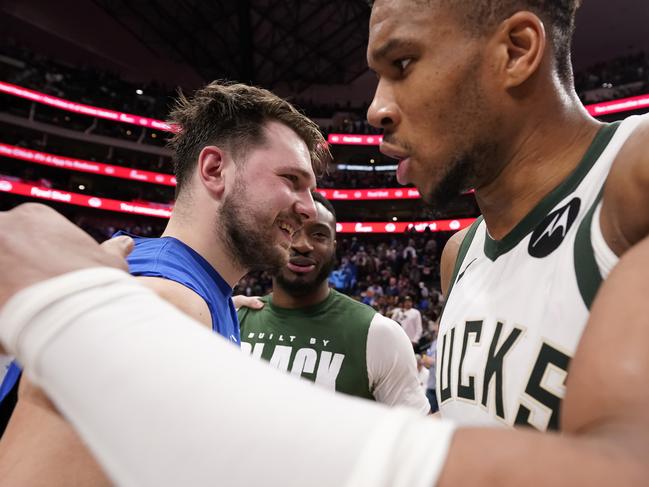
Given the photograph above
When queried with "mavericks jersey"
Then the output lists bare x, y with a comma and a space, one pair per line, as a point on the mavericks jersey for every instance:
517, 307
340, 344
169, 258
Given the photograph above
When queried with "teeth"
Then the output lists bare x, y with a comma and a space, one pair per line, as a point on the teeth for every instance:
287, 227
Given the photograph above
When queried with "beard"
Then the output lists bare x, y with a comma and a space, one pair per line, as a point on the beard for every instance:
246, 237
302, 286
463, 173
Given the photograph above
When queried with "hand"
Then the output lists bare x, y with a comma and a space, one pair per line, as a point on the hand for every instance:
37, 243
252, 302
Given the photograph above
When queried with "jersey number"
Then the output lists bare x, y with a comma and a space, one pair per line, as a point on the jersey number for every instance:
545, 388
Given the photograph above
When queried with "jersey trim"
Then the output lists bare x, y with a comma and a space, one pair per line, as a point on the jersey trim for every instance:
604, 256
495, 248
464, 248
587, 271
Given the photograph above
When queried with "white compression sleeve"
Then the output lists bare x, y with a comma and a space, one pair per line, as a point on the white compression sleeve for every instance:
161, 401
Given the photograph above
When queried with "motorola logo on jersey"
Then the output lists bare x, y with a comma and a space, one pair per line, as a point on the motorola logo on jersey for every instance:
553, 229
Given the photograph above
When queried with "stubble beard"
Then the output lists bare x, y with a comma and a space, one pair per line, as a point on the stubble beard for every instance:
471, 164
249, 242
464, 172
300, 287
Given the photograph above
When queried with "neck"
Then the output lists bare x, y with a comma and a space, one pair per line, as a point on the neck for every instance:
201, 236
283, 299
546, 151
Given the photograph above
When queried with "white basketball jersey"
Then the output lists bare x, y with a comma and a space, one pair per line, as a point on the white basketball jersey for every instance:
517, 307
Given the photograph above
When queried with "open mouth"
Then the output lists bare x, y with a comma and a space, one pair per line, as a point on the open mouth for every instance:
300, 265
287, 230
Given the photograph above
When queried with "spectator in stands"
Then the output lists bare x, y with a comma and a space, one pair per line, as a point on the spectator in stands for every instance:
430, 361
410, 320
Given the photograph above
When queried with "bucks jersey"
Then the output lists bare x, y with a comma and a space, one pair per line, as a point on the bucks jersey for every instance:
340, 344
517, 307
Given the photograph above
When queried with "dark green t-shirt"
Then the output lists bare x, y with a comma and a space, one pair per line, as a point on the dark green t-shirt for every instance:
325, 343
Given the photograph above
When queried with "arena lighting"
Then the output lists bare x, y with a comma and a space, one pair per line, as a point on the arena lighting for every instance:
597, 110
60, 196
139, 92
370, 194
164, 211
80, 165
102, 169
89, 110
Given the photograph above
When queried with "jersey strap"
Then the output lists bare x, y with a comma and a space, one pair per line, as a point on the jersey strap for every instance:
464, 248
495, 248
587, 271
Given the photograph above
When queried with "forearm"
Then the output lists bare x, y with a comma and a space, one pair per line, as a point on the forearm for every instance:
160, 401
513, 458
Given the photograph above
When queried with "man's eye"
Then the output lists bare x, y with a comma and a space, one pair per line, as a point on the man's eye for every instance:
291, 177
402, 64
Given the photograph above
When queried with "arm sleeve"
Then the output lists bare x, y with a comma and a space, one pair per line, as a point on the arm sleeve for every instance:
161, 401
391, 366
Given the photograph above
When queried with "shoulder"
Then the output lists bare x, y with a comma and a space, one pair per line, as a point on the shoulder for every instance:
245, 312
349, 305
626, 190
180, 296
391, 366
385, 331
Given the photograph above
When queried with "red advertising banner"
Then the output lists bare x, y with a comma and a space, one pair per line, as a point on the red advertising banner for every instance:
164, 211
81, 165
616, 106
89, 110
72, 164
369, 194
354, 139
59, 196
402, 227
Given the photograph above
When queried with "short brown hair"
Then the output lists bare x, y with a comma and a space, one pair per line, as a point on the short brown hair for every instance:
233, 115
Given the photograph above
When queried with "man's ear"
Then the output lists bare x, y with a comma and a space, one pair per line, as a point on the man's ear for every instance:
522, 44
212, 162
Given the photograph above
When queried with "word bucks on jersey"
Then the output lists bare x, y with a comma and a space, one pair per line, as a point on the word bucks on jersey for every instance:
517, 307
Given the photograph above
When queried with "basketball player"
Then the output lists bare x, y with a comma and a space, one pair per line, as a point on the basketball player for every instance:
479, 94
236, 142
210, 432
322, 335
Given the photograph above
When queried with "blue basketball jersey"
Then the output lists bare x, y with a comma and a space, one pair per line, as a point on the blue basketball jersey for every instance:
169, 258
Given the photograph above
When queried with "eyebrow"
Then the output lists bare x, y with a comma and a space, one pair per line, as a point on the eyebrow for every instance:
320, 226
395, 43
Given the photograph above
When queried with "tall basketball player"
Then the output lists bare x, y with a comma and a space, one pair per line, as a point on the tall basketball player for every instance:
559, 191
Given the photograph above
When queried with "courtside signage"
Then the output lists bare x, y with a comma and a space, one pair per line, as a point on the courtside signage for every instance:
164, 211
73, 164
